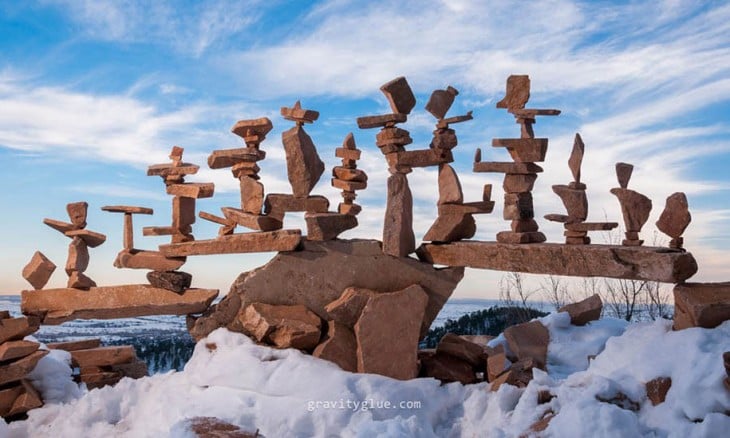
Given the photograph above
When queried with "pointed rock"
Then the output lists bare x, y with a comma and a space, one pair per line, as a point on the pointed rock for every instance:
449, 186
676, 217
304, 167
400, 95
379, 350
38, 270
575, 202
398, 237
441, 101
583, 312
623, 173
635, 208
339, 347
576, 157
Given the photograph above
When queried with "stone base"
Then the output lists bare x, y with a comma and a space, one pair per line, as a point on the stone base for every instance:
56, 306
528, 237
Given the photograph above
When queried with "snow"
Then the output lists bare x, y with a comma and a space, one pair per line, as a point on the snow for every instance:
287, 393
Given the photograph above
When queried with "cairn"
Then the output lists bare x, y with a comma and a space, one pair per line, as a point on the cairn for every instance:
575, 201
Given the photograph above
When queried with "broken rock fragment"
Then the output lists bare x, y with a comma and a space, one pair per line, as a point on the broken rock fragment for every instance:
339, 346
282, 326
583, 312
529, 340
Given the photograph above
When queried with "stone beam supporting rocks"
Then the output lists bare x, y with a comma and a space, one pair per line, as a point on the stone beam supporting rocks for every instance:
627, 262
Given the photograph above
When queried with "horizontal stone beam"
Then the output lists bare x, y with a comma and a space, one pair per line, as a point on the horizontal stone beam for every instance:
280, 240
55, 306
626, 262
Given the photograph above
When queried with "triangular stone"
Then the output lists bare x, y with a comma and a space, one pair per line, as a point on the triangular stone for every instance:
623, 173
449, 186
576, 157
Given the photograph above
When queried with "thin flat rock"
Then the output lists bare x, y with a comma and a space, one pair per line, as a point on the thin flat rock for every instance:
280, 240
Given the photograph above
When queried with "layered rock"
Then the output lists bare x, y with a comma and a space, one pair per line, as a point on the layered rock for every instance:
701, 305
319, 273
585, 311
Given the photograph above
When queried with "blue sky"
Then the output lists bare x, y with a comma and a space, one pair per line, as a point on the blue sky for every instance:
91, 92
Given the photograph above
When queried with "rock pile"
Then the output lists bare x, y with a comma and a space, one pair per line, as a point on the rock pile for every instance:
98, 366
18, 358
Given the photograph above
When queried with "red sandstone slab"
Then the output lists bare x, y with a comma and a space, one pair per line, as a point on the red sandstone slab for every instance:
61, 226
380, 121
246, 128
632, 263
14, 349
253, 221
56, 306
103, 356
17, 370
506, 167
83, 344
165, 170
192, 190
91, 238
280, 240
158, 231
701, 305
127, 209
17, 328
477, 207
524, 149
142, 259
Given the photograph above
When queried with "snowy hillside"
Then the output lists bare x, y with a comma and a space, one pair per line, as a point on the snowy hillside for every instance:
287, 393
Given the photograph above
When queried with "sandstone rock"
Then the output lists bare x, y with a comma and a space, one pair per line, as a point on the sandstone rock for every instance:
12, 329
518, 92
524, 150
480, 340
440, 102
510, 237
497, 363
585, 311
347, 174
347, 308
543, 423
623, 173
327, 226
176, 281
519, 374
451, 227
244, 128
280, 240
14, 349
398, 237
91, 238
77, 213
75, 345
635, 208
56, 306
191, 190
277, 204
14, 371
38, 270
18, 399
299, 114
449, 186
519, 182
387, 336
701, 305
576, 157
446, 368
321, 271
524, 226
529, 340
575, 202
399, 95
676, 217
78, 256
380, 121
252, 195
632, 263
518, 206
444, 140
143, 259
469, 352
283, 326
134, 370
60, 226
304, 167
339, 346
656, 389
77, 280
212, 427
4, 314
103, 356
621, 400
508, 167
101, 379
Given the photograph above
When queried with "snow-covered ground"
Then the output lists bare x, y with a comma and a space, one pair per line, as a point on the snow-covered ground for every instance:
287, 393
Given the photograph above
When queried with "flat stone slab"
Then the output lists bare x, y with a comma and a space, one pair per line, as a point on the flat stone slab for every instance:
55, 306
192, 190
280, 240
631, 263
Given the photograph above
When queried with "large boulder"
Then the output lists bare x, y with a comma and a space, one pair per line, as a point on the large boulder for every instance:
318, 274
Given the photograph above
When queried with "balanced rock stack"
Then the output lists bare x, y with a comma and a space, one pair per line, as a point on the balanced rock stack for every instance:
634, 206
576, 203
18, 358
242, 162
455, 220
39, 270
98, 366
348, 178
304, 168
520, 175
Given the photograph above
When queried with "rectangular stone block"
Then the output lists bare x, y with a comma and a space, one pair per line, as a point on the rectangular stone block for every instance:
192, 190
14, 349
84, 344
91, 238
380, 121
165, 170
518, 206
524, 150
252, 221
142, 259
252, 195
103, 356
511, 168
12, 329
38, 270
349, 186
14, 371
277, 204
704, 305
281, 240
